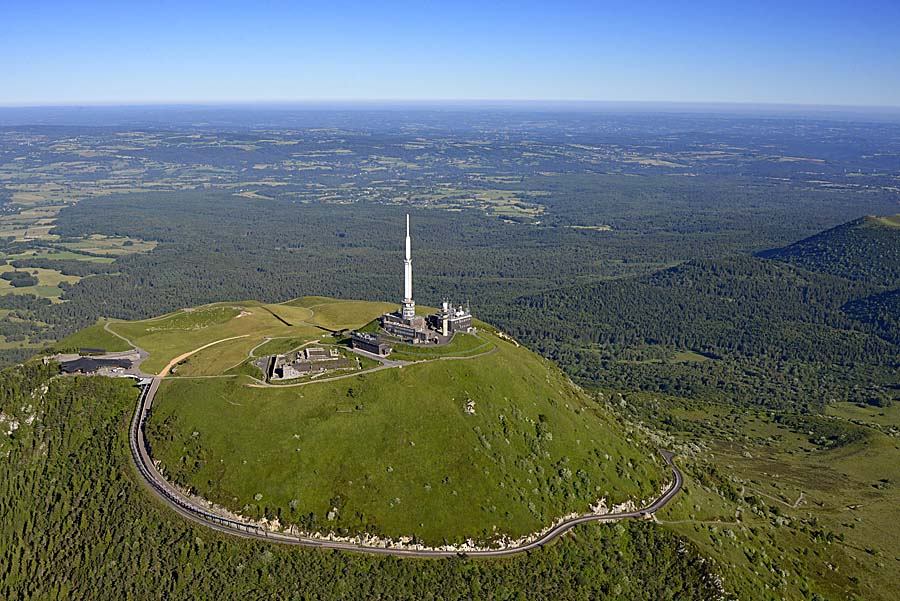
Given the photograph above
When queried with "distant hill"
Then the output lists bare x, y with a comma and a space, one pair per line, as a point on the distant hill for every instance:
739, 306
741, 330
866, 249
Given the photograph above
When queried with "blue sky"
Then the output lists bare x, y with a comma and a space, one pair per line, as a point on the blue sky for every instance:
159, 51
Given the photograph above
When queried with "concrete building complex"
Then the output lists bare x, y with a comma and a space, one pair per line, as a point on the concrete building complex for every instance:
450, 319
299, 363
370, 343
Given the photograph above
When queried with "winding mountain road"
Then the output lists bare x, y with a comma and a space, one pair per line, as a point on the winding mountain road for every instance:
187, 507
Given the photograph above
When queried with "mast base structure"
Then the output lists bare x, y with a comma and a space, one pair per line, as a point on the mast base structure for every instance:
408, 309
406, 326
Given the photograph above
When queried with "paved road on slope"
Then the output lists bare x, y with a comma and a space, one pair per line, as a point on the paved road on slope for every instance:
189, 509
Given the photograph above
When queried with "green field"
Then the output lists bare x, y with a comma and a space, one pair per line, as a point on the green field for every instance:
888, 417
288, 325
110, 245
170, 336
279, 346
54, 255
658, 355
392, 452
462, 345
217, 359
688, 357
340, 314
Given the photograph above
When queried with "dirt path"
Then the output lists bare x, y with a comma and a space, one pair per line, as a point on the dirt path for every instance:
183, 356
117, 335
386, 364
793, 505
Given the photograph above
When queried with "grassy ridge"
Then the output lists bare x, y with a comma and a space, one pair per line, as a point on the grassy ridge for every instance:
94, 336
172, 335
340, 314
462, 345
395, 452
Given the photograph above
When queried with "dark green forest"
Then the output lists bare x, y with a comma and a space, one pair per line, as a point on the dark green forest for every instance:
768, 334
864, 249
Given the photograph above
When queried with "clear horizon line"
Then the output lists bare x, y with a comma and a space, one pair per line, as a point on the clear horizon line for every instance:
440, 102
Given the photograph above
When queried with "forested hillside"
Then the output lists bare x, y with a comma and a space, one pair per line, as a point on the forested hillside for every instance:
866, 249
742, 329
880, 311
217, 246
576, 228
77, 526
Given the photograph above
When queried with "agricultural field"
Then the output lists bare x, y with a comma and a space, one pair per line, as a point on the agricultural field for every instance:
54, 254
109, 246
47, 286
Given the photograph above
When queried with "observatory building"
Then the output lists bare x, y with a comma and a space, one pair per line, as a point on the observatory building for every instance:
405, 325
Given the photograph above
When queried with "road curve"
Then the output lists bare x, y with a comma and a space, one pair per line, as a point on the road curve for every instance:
185, 507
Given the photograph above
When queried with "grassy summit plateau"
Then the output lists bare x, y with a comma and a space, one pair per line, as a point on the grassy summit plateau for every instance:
391, 452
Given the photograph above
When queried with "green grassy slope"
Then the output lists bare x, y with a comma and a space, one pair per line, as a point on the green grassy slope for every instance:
94, 336
394, 451
336, 314
302, 320
462, 345
889, 220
